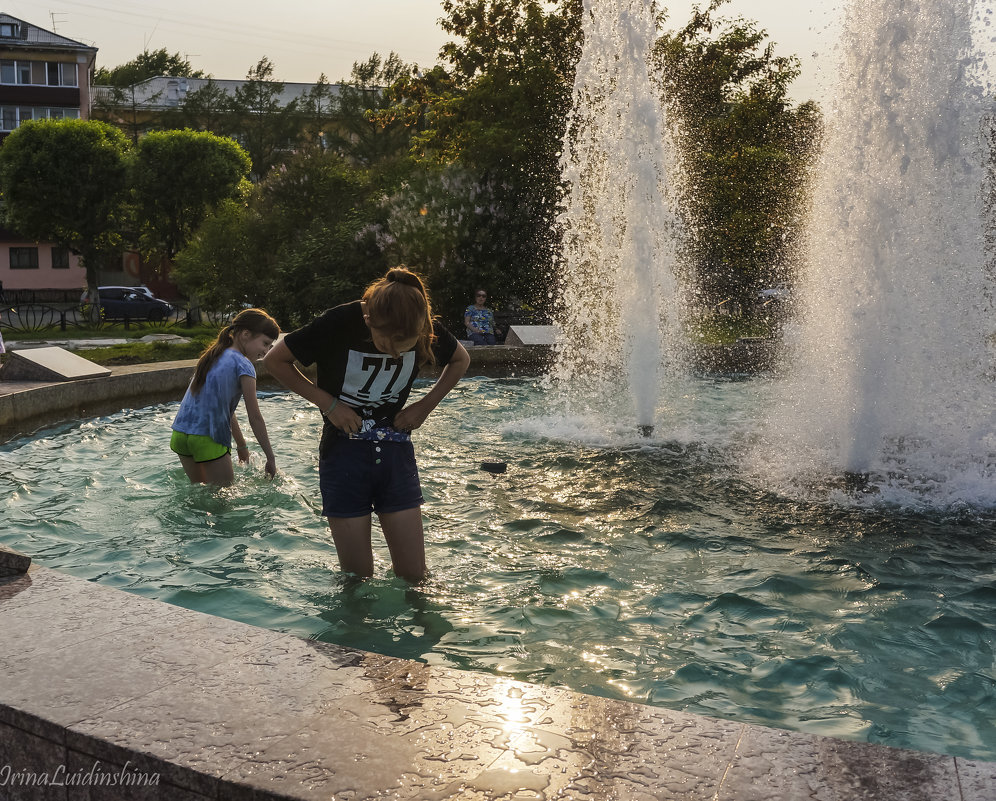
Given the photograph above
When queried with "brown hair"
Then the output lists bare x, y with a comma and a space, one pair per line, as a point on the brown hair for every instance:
255, 321
399, 305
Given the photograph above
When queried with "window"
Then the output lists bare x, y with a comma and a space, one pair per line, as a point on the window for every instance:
53, 73
23, 71
68, 73
7, 71
60, 258
9, 30
24, 258
12, 116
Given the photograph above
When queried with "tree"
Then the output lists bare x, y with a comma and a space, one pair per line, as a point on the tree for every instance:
744, 152
299, 245
65, 181
319, 108
361, 131
500, 112
177, 177
447, 225
264, 125
208, 108
146, 65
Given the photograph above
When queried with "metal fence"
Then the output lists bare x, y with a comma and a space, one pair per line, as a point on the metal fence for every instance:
30, 316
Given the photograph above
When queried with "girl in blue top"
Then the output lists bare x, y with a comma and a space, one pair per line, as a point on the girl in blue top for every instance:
204, 426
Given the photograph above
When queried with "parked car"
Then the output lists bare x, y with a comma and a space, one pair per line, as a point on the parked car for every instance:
141, 289
130, 303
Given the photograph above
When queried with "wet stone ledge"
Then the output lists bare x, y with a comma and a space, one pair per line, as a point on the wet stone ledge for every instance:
26, 406
181, 705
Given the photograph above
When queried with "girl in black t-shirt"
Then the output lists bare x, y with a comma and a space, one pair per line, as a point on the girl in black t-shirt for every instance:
368, 354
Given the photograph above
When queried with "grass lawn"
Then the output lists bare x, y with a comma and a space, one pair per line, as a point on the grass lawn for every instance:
134, 352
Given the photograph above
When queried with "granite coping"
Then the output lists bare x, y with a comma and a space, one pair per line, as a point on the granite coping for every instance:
183, 705
26, 406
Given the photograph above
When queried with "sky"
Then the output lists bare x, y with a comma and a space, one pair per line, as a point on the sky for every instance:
305, 38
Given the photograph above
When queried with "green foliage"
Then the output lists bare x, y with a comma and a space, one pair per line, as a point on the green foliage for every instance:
146, 65
217, 267
206, 109
744, 151
499, 113
177, 178
457, 232
264, 126
363, 128
64, 181
295, 248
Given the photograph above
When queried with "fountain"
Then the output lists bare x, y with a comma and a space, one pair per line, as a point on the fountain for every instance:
618, 309
888, 363
890, 379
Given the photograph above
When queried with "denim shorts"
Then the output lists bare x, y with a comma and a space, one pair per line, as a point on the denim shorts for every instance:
359, 476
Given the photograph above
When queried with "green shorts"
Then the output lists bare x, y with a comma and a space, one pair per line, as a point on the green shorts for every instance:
201, 448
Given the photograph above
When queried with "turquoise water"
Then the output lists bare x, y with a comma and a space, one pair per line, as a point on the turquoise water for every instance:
657, 571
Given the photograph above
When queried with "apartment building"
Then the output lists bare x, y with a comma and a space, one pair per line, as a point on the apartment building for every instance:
42, 76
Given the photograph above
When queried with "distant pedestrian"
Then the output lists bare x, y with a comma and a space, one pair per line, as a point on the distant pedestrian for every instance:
204, 426
480, 321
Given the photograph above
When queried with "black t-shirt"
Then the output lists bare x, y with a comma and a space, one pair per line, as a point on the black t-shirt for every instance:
351, 369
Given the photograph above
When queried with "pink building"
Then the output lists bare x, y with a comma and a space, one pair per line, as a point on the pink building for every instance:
42, 76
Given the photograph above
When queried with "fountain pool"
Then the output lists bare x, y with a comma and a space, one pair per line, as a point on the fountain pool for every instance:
651, 570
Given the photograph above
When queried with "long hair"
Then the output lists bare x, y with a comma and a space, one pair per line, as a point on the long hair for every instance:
399, 305
256, 321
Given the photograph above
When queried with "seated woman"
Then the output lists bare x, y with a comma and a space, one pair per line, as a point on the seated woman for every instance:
480, 322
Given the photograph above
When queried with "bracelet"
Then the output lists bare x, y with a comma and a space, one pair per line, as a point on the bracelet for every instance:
241, 447
328, 411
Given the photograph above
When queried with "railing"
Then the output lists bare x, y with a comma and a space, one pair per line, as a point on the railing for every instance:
31, 316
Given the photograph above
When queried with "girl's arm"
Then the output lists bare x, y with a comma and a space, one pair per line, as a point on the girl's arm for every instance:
280, 364
256, 422
240, 441
413, 415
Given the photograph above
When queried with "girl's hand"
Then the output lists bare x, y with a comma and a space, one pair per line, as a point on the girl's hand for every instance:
243, 451
412, 416
271, 467
345, 418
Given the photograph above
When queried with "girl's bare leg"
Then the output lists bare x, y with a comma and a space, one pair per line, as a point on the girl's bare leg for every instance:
219, 471
192, 469
406, 541
352, 544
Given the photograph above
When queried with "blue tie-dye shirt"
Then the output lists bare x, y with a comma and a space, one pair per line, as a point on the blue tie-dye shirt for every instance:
209, 412
484, 319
